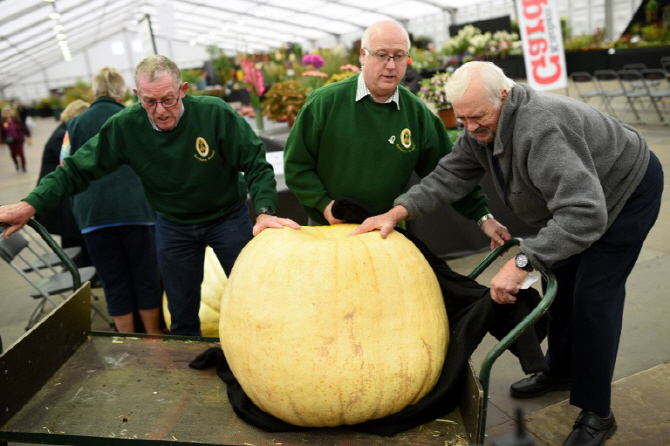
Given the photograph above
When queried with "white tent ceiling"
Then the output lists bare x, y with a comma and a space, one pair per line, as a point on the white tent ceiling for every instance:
36, 49
32, 37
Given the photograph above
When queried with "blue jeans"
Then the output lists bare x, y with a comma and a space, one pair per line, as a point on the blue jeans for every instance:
181, 257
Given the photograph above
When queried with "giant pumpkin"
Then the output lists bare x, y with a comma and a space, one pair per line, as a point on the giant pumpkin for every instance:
213, 283
322, 328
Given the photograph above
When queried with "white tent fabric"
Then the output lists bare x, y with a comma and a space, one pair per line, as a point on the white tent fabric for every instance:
49, 44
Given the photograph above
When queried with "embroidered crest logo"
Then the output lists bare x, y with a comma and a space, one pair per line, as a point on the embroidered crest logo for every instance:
406, 141
202, 148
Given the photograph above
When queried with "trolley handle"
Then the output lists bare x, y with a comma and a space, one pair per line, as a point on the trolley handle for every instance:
69, 264
528, 321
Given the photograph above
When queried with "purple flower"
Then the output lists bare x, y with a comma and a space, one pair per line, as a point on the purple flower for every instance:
313, 59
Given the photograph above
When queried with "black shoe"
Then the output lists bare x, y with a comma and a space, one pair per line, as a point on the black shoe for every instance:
591, 429
538, 384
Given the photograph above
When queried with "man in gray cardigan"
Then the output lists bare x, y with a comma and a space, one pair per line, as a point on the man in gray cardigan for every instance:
593, 187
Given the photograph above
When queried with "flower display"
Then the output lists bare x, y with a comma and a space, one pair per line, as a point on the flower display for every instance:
314, 60
253, 77
284, 100
471, 41
314, 73
350, 67
432, 91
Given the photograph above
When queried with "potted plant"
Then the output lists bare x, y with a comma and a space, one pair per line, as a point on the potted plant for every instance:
283, 101
432, 92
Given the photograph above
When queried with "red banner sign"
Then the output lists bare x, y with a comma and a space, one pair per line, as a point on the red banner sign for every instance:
544, 57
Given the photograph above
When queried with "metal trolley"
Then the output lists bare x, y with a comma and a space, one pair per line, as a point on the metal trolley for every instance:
62, 383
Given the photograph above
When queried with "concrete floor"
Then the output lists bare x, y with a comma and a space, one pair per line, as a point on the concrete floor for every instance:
643, 368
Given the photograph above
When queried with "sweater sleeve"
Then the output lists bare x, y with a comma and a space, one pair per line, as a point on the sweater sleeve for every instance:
560, 165
300, 162
98, 157
454, 181
248, 156
438, 143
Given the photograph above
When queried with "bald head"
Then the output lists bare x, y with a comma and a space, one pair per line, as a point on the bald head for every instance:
382, 29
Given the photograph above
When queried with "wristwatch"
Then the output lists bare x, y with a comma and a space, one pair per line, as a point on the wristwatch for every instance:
267, 210
522, 262
484, 218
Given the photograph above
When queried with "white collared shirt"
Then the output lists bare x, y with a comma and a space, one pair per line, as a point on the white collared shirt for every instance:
362, 91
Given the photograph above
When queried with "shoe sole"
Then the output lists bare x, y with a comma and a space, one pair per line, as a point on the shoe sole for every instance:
557, 388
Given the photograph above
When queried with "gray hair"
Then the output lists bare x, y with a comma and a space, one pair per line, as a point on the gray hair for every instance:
375, 28
109, 82
155, 67
493, 80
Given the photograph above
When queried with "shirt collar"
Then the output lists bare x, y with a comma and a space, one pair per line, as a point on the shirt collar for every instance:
363, 91
181, 113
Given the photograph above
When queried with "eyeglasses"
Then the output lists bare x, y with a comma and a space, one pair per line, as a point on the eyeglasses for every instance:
384, 58
166, 103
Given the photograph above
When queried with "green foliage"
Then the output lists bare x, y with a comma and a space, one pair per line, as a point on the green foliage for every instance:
222, 64
426, 59
192, 76
80, 90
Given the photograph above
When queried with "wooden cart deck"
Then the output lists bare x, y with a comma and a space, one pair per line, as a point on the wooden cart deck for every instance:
63, 384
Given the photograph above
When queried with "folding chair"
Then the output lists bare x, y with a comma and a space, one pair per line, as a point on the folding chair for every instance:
44, 257
584, 78
606, 78
16, 251
630, 80
658, 84
638, 67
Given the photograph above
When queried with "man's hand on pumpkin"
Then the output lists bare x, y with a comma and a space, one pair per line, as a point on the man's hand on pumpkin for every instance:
264, 221
384, 222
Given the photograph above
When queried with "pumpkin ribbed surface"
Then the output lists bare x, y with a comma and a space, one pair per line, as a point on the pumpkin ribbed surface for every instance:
213, 283
324, 329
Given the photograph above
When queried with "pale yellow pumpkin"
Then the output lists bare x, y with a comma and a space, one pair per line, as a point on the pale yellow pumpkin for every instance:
213, 283
323, 329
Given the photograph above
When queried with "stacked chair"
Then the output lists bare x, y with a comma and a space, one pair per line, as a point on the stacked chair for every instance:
640, 88
42, 269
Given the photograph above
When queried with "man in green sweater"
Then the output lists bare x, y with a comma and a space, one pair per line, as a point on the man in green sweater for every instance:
196, 159
363, 137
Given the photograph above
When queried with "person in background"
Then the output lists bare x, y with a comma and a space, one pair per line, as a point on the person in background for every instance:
362, 138
594, 198
14, 132
197, 160
116, 221
60, 220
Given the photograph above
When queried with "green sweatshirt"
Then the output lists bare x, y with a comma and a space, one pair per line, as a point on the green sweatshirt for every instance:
190, 174
365, 151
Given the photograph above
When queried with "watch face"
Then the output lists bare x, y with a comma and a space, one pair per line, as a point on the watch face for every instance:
521, 260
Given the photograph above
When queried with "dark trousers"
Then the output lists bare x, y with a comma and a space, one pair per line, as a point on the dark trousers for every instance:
126, 262
181, 257
588, 310
16, 151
